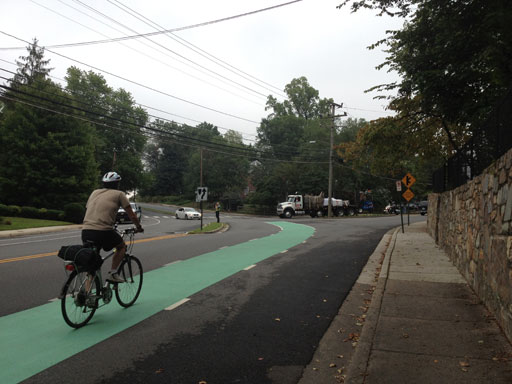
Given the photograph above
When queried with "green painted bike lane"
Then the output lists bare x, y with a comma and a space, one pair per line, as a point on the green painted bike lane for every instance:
37, 338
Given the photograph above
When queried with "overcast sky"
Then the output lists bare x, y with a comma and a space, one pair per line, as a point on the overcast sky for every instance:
308, 38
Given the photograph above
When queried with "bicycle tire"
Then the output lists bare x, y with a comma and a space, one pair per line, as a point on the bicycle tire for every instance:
131, 271
74, 301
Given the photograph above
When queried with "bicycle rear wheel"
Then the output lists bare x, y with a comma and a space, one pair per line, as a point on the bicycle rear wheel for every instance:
131, 271
80, 296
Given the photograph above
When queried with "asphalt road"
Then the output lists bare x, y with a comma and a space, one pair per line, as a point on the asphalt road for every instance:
259, 324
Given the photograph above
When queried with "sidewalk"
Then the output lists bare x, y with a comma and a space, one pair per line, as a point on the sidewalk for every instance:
418, 322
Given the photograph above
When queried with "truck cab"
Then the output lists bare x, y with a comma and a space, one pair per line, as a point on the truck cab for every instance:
291, 206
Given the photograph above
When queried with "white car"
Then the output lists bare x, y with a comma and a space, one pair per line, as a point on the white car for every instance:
187, 213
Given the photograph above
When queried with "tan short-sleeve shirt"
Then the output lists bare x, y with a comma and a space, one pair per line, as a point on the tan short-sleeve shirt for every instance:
102, 208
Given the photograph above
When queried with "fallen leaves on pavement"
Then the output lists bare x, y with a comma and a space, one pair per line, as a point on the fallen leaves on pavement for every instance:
352, 337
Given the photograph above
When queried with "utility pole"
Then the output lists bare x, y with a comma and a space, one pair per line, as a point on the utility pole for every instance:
114, 160
333, 109
201, 169
201, 185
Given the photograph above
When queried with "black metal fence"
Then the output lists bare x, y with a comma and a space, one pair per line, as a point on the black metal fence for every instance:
487, 145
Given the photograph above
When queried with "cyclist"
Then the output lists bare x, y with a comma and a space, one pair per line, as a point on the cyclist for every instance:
100, 217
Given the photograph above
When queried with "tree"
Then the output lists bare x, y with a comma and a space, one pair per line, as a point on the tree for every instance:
224, 162
296, 130
32, 67
47, 158
119, 124
303, 101
166, 161
454, 60
174, 161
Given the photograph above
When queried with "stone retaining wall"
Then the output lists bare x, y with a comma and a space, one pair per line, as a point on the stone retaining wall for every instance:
473, 224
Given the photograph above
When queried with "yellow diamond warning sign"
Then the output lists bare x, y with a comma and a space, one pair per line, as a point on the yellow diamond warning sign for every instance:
408, 195
408, 180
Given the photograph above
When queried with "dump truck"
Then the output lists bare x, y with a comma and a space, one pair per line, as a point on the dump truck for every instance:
314, 206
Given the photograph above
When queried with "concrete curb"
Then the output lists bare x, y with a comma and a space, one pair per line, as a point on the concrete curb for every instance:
38, 231
224, 228
355, 373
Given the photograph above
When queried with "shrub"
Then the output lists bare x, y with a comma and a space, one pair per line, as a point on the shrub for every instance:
4, 210
14, 210
29, 212
54, 214
74, 212
42, 213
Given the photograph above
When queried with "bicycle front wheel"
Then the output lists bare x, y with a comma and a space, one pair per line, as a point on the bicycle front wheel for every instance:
80, 297
131, 271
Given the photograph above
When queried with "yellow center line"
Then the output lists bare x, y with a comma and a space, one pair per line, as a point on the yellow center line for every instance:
40, 255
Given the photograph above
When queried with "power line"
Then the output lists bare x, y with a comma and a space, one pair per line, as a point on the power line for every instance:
171, 51
137, 83
283, 152
73, 100
147, 55
168, 135
141, 105
117, 120
196, 49
164, 31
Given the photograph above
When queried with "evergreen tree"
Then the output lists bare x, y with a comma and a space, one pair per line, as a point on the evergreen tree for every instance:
47, 158
32, 67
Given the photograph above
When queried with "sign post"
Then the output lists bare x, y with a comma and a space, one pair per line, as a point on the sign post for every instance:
201, 195
408, 181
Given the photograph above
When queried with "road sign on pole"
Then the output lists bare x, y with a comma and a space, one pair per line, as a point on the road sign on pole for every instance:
408, 195
201, 194
398, 186
408, 180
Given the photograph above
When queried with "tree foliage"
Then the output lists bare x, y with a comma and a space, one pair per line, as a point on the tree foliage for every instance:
119, 137
32, 67
47, 158
453, 58
175, 161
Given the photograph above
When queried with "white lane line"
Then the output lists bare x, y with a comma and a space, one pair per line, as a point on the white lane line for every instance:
223, 247
56, 299
156, 217
249, 267
176, 305
165, 217
253, 239
174, 262
284, 251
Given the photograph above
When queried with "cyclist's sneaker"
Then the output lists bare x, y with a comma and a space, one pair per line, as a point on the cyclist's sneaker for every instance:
114, 278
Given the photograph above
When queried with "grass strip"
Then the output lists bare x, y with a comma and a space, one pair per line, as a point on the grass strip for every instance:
212, 227
24, 223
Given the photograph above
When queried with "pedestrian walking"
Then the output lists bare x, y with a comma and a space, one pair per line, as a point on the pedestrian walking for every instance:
217, 211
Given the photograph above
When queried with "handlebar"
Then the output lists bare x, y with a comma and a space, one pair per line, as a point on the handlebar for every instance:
129, 231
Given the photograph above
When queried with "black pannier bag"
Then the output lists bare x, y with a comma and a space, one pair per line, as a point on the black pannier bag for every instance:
85, 258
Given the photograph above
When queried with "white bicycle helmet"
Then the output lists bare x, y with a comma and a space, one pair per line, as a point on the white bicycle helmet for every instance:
110, 177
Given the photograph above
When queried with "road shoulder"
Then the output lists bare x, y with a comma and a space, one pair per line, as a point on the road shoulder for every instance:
337, 348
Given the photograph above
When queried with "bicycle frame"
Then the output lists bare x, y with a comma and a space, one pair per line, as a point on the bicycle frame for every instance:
83, 290
106, 292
